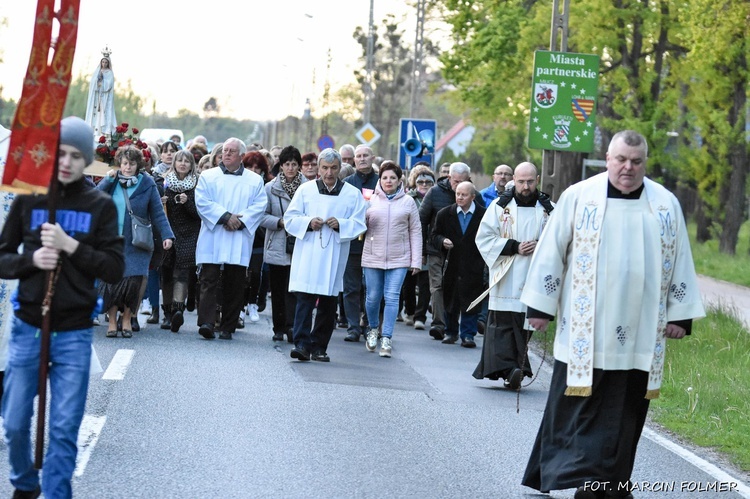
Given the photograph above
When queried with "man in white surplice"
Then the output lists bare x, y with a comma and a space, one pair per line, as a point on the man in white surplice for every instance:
324, 216
231, 202
506, 238
614, 264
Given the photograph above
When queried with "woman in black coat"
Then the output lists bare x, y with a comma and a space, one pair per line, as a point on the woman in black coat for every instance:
179, 200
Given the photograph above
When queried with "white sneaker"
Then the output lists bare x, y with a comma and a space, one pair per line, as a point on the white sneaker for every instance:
385, 347
419, 325
408, 320
253, 313
145, 307
372, 340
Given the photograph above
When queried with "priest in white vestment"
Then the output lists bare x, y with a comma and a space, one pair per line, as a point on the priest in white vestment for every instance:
614, 264
507, 238
324, 215
231, 202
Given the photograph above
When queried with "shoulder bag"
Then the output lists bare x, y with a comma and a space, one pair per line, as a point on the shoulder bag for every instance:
143, 234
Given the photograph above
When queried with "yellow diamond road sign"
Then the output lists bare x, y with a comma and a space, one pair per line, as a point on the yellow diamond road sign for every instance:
368, 134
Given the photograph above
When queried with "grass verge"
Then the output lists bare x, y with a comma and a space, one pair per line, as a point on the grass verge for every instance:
730, 268
705, 394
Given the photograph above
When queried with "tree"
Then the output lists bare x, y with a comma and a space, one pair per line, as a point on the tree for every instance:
717, 106
654, 70
211, 108
390, 75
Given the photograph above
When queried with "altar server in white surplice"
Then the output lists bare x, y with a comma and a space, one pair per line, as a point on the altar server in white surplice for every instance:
614, 264
231, 202
324, 216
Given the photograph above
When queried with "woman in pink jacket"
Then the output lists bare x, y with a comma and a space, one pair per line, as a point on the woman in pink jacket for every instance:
393, 245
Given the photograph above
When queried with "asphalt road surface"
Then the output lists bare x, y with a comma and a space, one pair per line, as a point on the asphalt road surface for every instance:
177, 416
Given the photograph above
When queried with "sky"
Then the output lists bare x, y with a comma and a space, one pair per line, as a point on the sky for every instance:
256, 58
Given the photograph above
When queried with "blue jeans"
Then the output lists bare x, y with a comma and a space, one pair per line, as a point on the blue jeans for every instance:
379, 283
70, 357
468, 323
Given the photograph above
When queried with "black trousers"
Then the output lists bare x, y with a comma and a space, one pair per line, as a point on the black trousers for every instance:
314, 339
414, 304
283, 303
232, 294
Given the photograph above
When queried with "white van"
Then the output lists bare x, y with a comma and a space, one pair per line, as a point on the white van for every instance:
160, 135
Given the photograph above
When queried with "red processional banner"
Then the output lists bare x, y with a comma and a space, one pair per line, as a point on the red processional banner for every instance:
35, 133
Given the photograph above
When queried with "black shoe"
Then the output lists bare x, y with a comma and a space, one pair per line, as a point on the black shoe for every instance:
134, 324
278, 336
299, 354
126, 333
450, 339
342, 324
224, 335
468, 342
240, 323
177, 321
290, 336
436, 333
166, 322
27, 494
154, 318
481, 327
320, 357
352, 336
206, 331
513, 381
261, 305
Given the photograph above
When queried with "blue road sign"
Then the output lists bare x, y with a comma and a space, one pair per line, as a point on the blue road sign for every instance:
410, 128
324, 142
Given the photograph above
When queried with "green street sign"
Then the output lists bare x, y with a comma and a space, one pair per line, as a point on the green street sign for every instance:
563, 101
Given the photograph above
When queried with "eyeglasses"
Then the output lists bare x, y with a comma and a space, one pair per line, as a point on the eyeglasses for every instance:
425, 182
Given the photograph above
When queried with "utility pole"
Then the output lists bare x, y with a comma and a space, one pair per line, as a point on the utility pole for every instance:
555, 177
416, 69
369, 65
326, 95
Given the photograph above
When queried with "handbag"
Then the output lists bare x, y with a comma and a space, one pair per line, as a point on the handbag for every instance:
290, 240
143, 234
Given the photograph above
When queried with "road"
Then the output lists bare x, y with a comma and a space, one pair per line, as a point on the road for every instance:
176, 416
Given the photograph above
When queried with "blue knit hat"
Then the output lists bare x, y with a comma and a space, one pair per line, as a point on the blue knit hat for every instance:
77, 133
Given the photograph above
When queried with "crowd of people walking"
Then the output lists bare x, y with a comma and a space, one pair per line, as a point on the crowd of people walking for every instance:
351, 244
226, 233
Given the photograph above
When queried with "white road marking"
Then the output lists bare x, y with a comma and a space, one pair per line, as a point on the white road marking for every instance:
700, 463
91, 428
119, 365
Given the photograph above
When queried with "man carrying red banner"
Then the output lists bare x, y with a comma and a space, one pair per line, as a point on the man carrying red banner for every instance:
82, 246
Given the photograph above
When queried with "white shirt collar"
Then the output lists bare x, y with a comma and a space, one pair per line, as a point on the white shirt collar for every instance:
470, 210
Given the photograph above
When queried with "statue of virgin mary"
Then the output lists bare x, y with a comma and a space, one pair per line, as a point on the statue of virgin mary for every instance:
100, 108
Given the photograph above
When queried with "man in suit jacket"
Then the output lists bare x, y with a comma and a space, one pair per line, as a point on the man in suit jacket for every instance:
455, 232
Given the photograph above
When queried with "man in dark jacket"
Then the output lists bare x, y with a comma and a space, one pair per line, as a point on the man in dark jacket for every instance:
455, 232
365, 179
437, 198
82, 246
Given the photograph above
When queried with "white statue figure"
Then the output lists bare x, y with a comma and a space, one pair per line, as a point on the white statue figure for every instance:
100, 108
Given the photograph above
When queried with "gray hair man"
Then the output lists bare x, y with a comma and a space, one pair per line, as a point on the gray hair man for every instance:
614, 264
